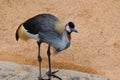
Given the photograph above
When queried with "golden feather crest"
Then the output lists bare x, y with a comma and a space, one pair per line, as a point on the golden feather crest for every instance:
60, 27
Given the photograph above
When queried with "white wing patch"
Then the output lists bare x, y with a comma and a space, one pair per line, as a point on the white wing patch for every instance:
32, 36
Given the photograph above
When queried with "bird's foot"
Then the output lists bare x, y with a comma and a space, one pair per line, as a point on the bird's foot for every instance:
52, 74
39, 78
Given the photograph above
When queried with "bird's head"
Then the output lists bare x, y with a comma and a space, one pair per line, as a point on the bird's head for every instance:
70, 27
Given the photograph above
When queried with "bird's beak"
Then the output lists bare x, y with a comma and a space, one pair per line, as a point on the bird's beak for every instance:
74, 30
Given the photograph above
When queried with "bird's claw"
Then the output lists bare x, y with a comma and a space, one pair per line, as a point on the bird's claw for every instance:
39, 78
52, 74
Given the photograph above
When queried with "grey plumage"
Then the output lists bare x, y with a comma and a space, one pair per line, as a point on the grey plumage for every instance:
45, 26
41, 23
49, 29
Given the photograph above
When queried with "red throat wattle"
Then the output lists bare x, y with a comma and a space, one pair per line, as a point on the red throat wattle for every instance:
69, 37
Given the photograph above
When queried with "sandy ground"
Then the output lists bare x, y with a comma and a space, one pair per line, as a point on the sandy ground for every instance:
95, 49
13, 71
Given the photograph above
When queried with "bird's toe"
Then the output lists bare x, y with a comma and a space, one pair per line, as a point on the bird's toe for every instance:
52, 74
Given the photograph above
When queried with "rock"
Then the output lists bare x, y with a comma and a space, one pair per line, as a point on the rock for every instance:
13, 71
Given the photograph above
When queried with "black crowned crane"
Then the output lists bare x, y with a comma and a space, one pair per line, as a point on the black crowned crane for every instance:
48, 29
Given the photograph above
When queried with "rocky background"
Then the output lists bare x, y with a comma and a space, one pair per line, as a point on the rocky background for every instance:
95, 49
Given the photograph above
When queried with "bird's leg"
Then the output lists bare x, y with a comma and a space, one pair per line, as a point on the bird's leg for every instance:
50, 73
39, 61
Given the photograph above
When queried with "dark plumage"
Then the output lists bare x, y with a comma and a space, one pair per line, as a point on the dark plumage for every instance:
40, 23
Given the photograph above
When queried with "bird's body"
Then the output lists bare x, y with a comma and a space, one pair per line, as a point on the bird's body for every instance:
44, 27
49, 29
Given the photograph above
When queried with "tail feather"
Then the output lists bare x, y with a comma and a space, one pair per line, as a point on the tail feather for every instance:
17, 34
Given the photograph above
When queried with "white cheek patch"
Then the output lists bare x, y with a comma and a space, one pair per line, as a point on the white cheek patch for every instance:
68, 29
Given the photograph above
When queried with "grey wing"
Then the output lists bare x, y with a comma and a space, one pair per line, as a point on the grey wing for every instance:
52, 38
44, 25
41, 23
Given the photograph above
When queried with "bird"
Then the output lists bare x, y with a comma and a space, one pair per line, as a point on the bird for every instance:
47, 28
